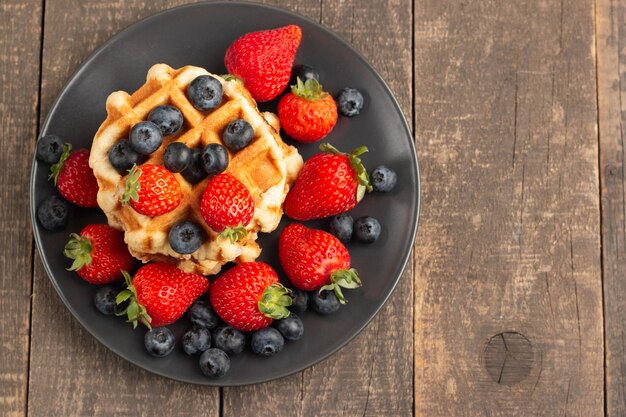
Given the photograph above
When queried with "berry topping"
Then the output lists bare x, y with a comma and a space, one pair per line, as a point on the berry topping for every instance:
227, 206
49, 149
195, 172
177, 157
159, 341
201, 314
383, 179
350, 101
237, 134
366, 229
324, 302
304, 72
229, 339
267, 341
341, 227
185, 237
145, 137
168, 119
290, 327
196, 340
54, 213
300, 300
105, 300
205, 92
214, 158
214, 363
152, 190
123, 157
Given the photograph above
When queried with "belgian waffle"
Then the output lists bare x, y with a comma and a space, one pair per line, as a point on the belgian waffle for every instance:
267, 167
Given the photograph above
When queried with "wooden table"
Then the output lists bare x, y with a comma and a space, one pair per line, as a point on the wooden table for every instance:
513, 304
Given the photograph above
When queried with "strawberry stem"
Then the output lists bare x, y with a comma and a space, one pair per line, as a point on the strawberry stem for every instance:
55, 169
362, 176
342, 278
234, 233
135, 312
78, 248
231, 77
274, 301
131, 191
309, 90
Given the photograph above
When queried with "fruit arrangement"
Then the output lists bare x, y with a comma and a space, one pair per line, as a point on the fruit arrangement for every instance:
246, 306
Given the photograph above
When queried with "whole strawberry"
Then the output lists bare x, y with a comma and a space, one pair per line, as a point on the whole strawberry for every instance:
152, 190
263, 60
329, 183
227, 206
316, 260
160, 293
307, 113
74, 178
249, 296
99, 253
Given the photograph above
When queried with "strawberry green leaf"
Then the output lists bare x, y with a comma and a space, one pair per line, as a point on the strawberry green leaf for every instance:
342, 278
132, 185
362, 176
135, 312
78, 248
235, 234
309, 90
231, 77
274, 301
56, 169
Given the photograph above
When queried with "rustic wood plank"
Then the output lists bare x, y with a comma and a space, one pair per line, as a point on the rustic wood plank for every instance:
611, 38
20, 35
381, 382
65, 377
508, 254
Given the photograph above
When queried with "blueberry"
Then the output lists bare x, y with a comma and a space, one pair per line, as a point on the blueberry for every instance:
104, 300
350, 101
300, 300
366, 229
214, 158
290, 327
214, 363
49, 149
54, 213
185, 237
305, 72
325, 302
176, 157
196, 340
159, 341
341, 227
167, 118
195, 172
229, 339
237, 134
145, 137
383, 179
123, 157
200, 314
205, 92
267, 341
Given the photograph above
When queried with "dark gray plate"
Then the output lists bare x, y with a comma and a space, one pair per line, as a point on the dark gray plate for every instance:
199, 34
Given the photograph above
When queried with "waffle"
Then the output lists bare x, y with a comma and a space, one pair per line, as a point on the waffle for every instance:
267, 167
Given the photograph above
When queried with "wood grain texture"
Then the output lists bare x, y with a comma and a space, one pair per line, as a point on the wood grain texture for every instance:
505, 116
611, 39
372, 375
20, 40
71, 374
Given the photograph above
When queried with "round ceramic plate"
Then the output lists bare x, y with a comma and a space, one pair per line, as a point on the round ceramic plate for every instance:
199, 34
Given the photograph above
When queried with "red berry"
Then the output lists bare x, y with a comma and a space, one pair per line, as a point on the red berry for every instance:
263, 60
328, 184
249, 296
307, 113
226, 203
99, 253
160, 293
74, 178
152, 190
313, 259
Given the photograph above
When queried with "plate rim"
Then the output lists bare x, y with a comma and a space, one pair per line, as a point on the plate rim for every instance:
414, 166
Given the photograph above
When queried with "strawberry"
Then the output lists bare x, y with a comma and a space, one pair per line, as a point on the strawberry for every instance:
99, 253
160, 293
74, 178
316, 260
227, 206
307, 113
263, 60
152, 190
329, 183
249, 296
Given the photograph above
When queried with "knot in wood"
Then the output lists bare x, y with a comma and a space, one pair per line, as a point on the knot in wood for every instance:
508, 358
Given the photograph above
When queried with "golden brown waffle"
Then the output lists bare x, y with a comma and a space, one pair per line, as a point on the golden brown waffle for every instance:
267, 167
